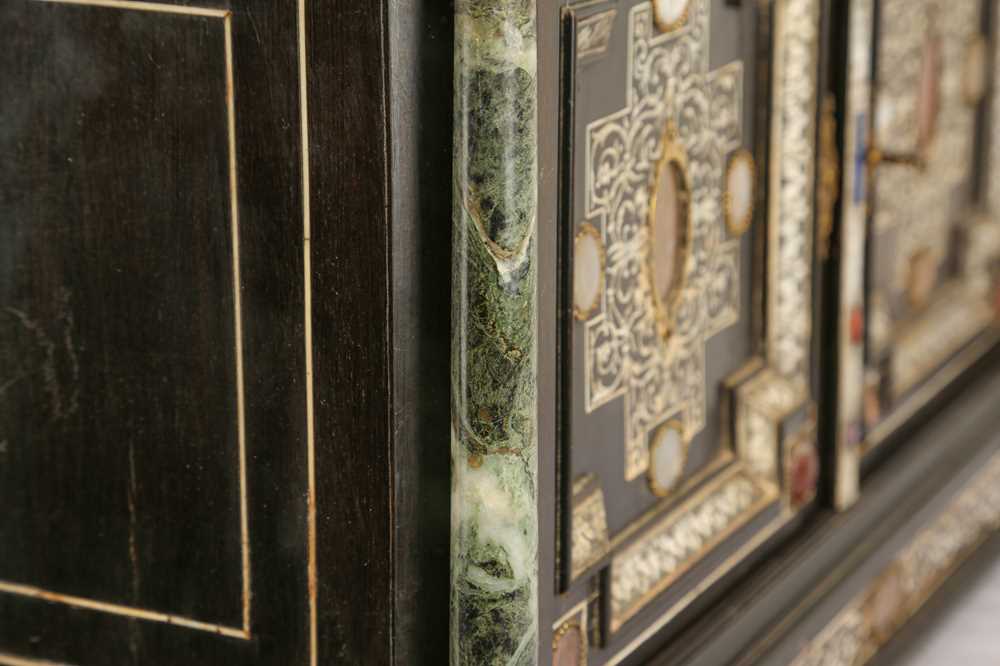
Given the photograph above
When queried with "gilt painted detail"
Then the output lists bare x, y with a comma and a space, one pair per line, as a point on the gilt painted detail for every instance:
494, 561
668, 83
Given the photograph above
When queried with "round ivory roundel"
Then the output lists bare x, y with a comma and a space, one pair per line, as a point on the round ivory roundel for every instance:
670, 14
666, 459
588, 271
739, 192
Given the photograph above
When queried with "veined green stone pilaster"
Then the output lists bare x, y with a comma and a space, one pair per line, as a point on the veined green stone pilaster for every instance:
494, 556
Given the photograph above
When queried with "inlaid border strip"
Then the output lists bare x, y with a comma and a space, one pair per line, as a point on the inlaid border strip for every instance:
117, 609
860, 629
759, 539
791, 203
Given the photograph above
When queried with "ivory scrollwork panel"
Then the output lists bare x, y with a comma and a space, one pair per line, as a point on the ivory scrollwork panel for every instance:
687, 386
920, 221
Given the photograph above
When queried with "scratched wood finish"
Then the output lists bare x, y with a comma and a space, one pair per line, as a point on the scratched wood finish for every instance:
129, 471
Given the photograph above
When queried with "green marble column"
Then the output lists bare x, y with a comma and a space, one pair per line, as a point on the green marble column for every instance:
494, 556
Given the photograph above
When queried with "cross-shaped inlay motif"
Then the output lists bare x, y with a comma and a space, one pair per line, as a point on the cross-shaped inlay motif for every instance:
659, 377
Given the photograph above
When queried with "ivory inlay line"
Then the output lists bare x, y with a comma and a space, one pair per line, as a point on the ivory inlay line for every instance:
11, 660
116, 609
238, 323
307, 298
148, 7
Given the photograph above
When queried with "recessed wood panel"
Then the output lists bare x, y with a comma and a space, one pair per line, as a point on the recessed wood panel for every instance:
155, 469
118, 322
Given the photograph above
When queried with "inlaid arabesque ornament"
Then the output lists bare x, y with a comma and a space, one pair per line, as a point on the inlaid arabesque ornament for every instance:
669, 84
934, 247
766, 406
920, 85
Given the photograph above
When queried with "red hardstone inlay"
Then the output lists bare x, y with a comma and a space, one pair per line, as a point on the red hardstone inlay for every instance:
804, 475
857, 324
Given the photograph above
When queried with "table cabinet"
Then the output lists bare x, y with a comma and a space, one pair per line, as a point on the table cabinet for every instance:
493, 331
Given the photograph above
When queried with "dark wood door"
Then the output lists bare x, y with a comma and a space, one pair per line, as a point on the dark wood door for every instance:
181, 442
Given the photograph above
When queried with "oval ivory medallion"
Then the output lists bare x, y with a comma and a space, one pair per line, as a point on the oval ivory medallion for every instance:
741, 175
974, 71
568, 646
669, 231
671, 14
667, 456
929, 97
588, 271
880, 324
922, 278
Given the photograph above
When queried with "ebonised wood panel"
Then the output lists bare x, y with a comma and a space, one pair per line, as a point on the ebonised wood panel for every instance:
195, 451
122, 372
351, 328
420, 91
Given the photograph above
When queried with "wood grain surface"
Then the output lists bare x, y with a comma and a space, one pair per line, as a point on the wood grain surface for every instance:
195, 453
